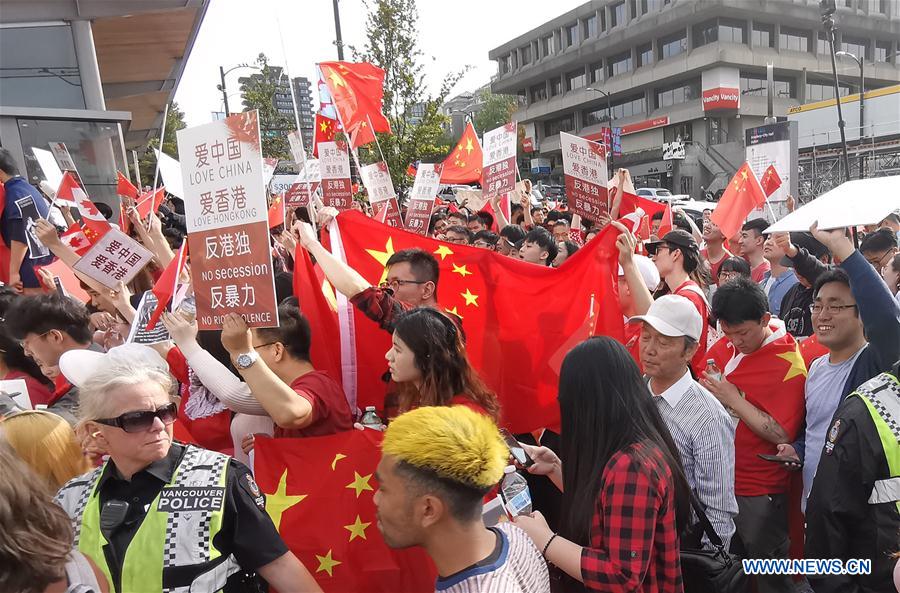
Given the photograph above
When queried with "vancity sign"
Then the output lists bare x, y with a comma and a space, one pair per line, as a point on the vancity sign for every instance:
721, 89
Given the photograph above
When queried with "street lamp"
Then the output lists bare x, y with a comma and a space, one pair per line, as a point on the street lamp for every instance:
609, 120
221, 86
862, 101
827, 7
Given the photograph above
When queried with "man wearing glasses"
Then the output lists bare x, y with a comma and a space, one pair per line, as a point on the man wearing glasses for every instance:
879, 248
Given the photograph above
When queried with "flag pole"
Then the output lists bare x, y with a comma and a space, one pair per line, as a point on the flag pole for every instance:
162, 135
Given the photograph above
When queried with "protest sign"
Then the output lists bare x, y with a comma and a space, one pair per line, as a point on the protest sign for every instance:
377, 180
17, 389
114, 258
62, 156
227, 221
473, 199
498, 174
30, 215
335, 167
170, 173
421, 197
584, 166
52, 173
139, 333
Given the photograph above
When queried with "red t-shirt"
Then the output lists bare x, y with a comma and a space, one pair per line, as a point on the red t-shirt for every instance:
38, 392
715, 267
331, 412
757, 273
692, 292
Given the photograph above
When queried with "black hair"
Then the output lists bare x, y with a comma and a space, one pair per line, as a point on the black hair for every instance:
757, 224
43, 313
735, 264
832, 274
657, 215
14, 357
545, 241
680, 221
460, 230
436, 218
516, 208
512, 233
173, 237
105, 209
881, 240
423, 265
8, 296
8, 163
464, 501
458, 215
292, 331
740, 300
605, 408
537, 209
284, 286
691, 261
211, 341
302, 213
488, 237
571, 248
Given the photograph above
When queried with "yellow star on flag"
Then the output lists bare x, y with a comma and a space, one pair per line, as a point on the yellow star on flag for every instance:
469, 147
336, 79
797, 368
454, 311
279, 501
461, 270
360, 483
382, 257
324, 127
337, 457
357, 529
471, 299
326, 563
744, 173
443, 251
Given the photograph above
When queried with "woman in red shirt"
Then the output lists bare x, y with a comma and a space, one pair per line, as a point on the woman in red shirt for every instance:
428, 362
625, 496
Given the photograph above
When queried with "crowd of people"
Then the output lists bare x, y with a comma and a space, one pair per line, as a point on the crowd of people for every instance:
754, 392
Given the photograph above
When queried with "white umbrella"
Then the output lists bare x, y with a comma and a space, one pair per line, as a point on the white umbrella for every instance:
853, 203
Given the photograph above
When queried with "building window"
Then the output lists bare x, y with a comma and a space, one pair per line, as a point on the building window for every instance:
645, 54
596, 72
555, 87
672, 45
644, 8
634, 10
763, 35
575, 80
547, 46
680, 93
571, 34
731, 31
855, 46
621, 109
538, 93
755, 85
562, 124
822, 92
590, 27
822, 46
883, 51
617, 14
504, 64
793, 39
526, 54
619, 64
705, 33
683, 132
880, 6
38, 68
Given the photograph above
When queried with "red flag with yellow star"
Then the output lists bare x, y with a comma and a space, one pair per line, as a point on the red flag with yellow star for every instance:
518, 317
742, 195
325, 129
463, 165
319, 493
770, 180
276, 211
357, 91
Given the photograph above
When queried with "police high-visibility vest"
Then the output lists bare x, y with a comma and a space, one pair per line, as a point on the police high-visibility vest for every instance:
882, 397
177, 531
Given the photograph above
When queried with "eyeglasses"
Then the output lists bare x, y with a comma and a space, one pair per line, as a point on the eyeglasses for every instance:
483, 244
818, 308
25, 342
876, 262
132, 422
394, 284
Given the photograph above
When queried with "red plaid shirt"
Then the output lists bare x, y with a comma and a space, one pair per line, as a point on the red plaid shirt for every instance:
634, 541
381, 306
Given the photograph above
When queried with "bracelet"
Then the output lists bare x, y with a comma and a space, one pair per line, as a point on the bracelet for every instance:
547, 545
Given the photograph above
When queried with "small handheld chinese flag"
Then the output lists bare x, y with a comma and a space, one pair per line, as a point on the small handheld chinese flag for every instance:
742, 195
357, 90
276, 212
770, 181
125, 188
165, 286
150, 200
325, 131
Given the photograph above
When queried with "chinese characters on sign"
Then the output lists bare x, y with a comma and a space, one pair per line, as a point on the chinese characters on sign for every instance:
227, 221
584, 166
498, 174
114, 258
377, 180
421, 197
334, 164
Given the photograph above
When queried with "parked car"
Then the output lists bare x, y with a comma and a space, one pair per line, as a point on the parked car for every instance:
660, 194
694, 209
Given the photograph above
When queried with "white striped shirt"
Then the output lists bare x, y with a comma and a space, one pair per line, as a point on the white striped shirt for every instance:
704, 434
516, 566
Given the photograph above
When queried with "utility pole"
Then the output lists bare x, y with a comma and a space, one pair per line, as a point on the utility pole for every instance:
828, 9
337, 31
224, 92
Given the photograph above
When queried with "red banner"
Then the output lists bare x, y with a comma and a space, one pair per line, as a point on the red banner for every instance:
721, 98
647, 124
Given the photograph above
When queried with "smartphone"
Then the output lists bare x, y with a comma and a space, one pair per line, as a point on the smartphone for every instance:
777, 459
516, 449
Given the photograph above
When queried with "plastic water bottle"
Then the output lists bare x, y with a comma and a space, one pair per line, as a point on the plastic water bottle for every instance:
515, 493
712, 371
370, 419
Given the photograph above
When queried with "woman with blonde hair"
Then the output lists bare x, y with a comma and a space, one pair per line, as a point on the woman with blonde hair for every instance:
47, 443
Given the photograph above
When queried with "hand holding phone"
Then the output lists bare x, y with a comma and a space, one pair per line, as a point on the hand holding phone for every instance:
788, 462
516, 449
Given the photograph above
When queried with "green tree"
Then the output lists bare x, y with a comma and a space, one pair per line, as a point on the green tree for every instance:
147, 160
259, 93
417, 125
496, 110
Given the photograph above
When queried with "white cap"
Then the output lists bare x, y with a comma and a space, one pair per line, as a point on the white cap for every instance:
80, 365
673, 315
647, 269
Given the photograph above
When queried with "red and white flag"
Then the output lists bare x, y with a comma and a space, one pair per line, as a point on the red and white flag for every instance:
75, 238
94, 223
165, 287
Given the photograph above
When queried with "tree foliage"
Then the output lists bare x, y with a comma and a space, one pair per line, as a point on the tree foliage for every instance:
259, 93
417, 125
147, 160
496, 110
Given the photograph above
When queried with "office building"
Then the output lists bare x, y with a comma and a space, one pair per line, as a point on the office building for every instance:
283, 102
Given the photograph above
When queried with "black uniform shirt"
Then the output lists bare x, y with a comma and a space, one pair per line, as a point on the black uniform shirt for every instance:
259, 542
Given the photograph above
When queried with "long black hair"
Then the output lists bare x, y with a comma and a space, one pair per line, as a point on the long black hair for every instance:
14, 358
605, 407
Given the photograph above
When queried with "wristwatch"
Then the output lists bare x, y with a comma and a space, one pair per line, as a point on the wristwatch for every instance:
246, 360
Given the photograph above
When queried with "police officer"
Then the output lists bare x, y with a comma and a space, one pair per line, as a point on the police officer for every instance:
854, 506
158, 515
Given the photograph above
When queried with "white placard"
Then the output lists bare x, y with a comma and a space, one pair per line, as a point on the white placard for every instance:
377, 180
52, 173
114, 258
170, 171
17, 389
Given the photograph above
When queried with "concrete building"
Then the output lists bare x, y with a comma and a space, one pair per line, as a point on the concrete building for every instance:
303, 93
693, 70
93, 74
462, 108
283, 102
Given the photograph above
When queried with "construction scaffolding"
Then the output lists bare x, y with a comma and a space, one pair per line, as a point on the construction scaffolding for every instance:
821, 170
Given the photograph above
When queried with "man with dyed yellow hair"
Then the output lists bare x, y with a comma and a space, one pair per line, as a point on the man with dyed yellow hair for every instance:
437, 465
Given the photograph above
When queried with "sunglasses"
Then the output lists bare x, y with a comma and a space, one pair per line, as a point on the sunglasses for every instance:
140, 421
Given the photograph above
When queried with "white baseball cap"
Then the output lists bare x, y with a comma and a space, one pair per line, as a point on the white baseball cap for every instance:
80, 365
647, 270
673, 315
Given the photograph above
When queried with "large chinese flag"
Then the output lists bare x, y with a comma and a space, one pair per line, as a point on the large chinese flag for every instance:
326, 128
357, 91
742, 195
318, 304
519, 318
319, 493
463, 165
